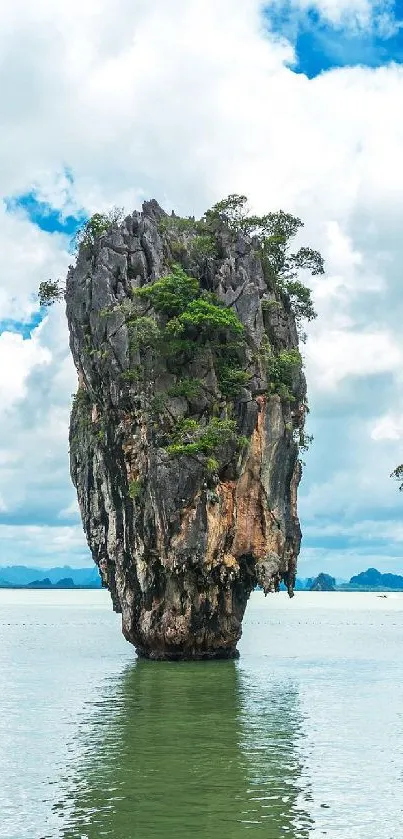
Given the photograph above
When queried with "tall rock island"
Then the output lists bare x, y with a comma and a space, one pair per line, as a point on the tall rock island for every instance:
186, 426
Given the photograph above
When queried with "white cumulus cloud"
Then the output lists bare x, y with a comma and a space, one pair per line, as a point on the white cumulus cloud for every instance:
186, 101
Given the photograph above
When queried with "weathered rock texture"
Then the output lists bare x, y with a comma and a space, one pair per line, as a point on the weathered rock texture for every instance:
180, 554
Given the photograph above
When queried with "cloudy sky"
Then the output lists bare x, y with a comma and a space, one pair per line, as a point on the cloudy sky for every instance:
297, 104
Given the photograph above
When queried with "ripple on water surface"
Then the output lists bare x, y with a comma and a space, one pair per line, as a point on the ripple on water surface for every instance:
300, 738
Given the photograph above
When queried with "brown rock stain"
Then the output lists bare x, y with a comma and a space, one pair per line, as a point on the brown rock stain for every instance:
252, 523
220, 521
240, 523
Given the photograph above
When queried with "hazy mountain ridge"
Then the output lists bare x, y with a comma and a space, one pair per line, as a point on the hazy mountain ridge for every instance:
20, 576
374, 580
369, 580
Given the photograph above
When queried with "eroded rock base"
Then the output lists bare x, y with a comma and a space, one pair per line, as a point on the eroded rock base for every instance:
188, 655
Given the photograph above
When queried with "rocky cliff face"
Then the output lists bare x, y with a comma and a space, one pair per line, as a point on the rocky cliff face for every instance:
184, 457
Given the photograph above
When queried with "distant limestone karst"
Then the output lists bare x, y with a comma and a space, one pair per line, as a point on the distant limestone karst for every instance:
323, 582
21, 576
372, 578
46, 583
65, 582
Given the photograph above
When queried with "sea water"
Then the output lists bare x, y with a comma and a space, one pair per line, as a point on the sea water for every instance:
302, 737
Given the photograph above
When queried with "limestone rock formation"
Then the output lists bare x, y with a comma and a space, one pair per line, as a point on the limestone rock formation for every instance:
323, 582
184, 450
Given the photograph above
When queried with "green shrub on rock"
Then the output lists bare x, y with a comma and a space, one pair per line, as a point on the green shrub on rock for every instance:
171, 294
135, 488
99, 223
190, 438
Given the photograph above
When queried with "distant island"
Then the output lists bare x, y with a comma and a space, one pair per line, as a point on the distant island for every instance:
323, 582
21, 576
370, 580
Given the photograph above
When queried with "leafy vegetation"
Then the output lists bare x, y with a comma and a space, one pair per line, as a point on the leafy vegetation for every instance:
187, 388
177, 224
179, 321
300, 299
131, 376
281, 369
81, 410
99, 223
273, 234
186, 320
231, 378
145, 333
231, 212
173, 321
135, 488
304, 440
49, 292
205, 319
81, 397
397, 475
190, 438
203, 246
172, 294
270, 305
212, 465
188, 234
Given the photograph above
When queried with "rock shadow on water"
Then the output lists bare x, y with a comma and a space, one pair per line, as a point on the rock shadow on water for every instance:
189, 750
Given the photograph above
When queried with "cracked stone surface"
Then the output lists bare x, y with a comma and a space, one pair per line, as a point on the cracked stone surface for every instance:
181, 559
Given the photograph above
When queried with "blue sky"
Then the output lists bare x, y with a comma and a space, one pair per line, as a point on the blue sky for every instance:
321, 44
48, 218
299, 107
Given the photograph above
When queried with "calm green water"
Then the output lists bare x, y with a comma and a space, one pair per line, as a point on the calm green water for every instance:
303, 737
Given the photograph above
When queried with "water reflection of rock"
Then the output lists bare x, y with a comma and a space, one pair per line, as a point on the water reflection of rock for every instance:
190, 750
